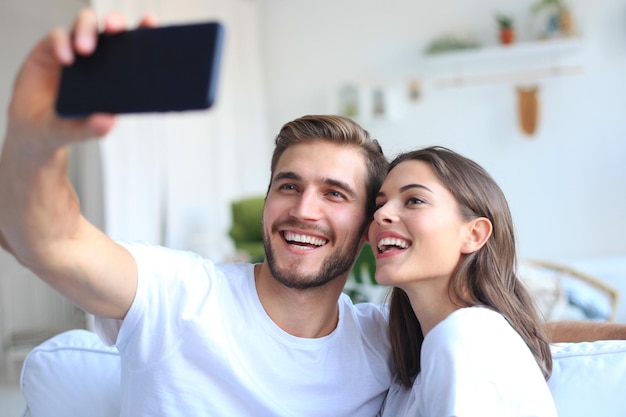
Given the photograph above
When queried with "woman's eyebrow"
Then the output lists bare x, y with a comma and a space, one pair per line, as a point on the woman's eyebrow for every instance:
410, 186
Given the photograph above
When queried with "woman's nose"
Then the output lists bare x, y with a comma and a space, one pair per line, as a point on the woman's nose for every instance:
385, 214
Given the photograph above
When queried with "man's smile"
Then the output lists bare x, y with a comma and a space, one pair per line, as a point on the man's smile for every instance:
303, 241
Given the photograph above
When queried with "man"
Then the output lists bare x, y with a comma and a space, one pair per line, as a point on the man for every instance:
197, 338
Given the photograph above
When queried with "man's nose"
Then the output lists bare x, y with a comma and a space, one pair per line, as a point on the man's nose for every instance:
308, 206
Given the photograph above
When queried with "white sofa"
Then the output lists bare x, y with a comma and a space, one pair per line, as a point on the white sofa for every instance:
74, 374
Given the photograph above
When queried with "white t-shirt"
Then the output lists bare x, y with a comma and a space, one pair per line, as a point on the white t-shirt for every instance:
473, 364
197, 342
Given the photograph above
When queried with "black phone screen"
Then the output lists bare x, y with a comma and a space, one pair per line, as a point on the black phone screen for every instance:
172, 68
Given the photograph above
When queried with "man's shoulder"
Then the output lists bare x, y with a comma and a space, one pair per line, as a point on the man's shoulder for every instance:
374, 309
366, 314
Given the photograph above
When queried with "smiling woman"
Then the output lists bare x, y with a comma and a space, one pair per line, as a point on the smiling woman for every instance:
443, 236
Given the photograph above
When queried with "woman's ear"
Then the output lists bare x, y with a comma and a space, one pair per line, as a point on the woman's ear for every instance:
478, 232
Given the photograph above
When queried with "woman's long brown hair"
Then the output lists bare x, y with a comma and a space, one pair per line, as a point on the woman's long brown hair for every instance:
486, 277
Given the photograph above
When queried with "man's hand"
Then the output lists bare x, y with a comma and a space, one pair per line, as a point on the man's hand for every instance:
40, 219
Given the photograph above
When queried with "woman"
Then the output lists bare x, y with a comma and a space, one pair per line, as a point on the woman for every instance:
466, 338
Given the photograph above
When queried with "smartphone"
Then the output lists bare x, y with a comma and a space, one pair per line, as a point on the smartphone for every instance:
170, 68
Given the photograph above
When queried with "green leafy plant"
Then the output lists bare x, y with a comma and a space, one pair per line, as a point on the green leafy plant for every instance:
451, 43
556, 5
504, 21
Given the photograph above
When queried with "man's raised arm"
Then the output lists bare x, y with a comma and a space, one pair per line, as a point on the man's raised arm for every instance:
40, 219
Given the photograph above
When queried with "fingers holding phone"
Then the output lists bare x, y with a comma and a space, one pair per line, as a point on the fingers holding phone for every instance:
116, 22
32, 112
165, 69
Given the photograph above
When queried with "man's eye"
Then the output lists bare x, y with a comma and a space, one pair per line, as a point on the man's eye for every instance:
287, 187
335, 194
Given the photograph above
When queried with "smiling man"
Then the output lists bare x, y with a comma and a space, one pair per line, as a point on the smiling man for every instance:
197, 338
312, 182
277, 338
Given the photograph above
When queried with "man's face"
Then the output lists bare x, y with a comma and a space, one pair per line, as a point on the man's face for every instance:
314, 213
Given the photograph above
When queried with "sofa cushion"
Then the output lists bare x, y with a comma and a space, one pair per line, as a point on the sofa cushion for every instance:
589, 378
72, 374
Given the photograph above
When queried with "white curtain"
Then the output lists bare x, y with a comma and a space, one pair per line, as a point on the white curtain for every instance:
170, 178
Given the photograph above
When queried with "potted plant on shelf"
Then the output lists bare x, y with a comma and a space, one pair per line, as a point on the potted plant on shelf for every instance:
507, 31
560, 19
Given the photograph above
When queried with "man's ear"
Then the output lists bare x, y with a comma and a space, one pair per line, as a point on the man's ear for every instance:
363, 241
364, 238
478, 232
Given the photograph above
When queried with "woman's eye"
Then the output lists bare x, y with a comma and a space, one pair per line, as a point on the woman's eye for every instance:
413, 201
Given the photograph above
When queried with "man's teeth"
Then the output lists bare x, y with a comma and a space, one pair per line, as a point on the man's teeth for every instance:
306, 239
389, 242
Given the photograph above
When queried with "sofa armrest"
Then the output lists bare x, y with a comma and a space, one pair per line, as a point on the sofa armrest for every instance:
72, 374
589, 378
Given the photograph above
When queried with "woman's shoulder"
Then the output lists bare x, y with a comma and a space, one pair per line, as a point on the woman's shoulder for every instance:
473, 326
471, 319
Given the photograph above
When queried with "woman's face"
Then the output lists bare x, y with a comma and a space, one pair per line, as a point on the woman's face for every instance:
418, 233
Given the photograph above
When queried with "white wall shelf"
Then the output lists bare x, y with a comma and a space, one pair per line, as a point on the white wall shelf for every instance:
554, 47
515, 63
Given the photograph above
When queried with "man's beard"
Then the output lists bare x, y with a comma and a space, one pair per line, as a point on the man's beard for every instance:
338, 263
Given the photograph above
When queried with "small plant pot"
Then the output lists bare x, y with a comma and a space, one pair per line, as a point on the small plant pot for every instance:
507, 36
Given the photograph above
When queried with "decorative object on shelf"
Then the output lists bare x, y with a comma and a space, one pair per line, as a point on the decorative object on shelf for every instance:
566, 19
379, 103
528, 108
451, 43
349, 101
414, 89
507, 30
365, 102
560, 21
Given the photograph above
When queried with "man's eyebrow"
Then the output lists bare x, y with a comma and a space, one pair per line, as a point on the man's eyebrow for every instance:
343, 185
406, 188
287, 175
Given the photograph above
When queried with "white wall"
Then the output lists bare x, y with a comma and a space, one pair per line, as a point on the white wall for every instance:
565, 185
170, 178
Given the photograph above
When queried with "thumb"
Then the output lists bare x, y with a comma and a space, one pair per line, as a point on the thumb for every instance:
70, 130
100, 124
